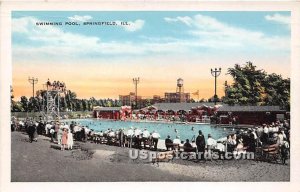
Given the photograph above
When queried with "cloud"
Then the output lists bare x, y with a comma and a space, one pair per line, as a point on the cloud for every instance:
170, 20
216, 34
51, 41
80, 18
133, 25
186, 20
282, 19
50, 35
202, 33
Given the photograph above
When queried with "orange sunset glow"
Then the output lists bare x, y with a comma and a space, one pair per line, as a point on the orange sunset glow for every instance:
113, 81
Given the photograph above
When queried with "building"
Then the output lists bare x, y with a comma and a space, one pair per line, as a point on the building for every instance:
252, 115
129, 99
115, 113
192, 112
179, 96
157, 99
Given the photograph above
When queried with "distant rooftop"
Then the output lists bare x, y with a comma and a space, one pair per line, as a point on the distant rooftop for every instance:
180, 106
226, 108
221, 107
107, 108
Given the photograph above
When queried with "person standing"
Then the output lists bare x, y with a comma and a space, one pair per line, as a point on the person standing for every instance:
64, 139
52, 134
70, 141
121, 138
155, 137
169, 143
211, 144
200, 142
56, 128
194, 134
35, 133
146, 136
47, 129
59, 135
129, 136
30, 131
137, 138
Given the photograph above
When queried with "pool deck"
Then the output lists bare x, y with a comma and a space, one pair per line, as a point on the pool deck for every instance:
39, 162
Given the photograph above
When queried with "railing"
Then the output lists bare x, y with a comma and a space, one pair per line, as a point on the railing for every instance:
36, 115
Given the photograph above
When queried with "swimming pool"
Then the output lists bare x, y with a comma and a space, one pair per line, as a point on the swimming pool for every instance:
164, 129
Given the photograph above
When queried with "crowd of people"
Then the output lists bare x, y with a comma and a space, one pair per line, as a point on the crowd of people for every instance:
277, 133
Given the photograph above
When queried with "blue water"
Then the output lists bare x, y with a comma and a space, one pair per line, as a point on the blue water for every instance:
164, 129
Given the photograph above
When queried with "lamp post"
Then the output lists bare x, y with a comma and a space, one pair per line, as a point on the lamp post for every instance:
135, 82
215, 73
33, 81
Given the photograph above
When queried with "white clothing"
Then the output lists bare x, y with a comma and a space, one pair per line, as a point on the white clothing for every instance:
146, 134
280, 139
77, 128
255, 136
155, 135
266, 130
21, 123
130, 132
176, 141
98, 133
70, 141
59, 136
111, 134
137, 132
284, 135
87, 130
260, 129
47, 128
211, 142
234, 142
220, 147
193, 144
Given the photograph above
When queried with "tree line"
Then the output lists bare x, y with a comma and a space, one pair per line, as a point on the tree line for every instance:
252, 86
67, 102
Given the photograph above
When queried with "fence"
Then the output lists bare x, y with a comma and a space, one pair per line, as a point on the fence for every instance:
37, 115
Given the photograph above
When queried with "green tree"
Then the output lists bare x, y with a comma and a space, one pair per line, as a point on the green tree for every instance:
84, 104
24, 103
33, 104
78, 105
70, 100
256, 87
16, 106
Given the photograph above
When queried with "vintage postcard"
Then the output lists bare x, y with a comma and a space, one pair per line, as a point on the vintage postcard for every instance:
152, 95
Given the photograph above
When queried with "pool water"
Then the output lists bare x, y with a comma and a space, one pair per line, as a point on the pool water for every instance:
164, 129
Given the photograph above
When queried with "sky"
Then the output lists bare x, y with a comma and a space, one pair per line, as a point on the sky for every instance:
159, 47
